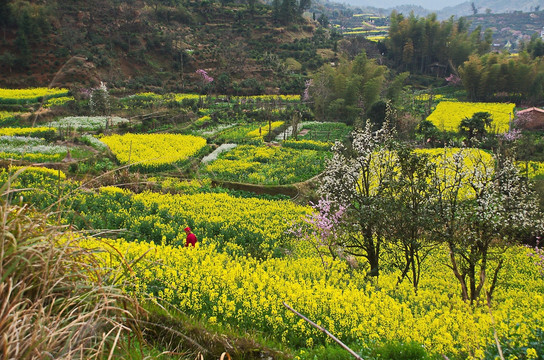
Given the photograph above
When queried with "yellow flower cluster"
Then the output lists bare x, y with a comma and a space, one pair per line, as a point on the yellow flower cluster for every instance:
270, 97
180, 97
147, 94
33, 157
376, 38
43, 171
4, 116
26, 131
308, 144
532, 169
58, 101
151, 151
263, 130
426, 97
448, 114
23, 96
175, 185
31, 177
472, 159
268, 165
249, 293
234, 221
444, 158
202, 120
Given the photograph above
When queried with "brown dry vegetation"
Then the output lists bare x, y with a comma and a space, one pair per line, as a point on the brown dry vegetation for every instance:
54, 300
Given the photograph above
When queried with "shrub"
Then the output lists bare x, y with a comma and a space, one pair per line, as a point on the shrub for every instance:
397, 350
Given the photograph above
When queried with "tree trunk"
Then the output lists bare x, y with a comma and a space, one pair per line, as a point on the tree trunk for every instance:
460, 278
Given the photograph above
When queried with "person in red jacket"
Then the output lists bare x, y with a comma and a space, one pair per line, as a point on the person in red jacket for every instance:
191, 238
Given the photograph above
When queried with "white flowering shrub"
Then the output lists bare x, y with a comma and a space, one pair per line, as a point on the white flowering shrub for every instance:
94, 142
99, 100
23, 145
213, 156
87, 122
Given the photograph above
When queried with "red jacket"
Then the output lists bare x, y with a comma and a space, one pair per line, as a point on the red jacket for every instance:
191, 239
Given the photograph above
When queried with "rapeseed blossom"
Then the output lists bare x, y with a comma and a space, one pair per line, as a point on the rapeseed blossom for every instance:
248, 293
6, 116
448, 115
32, 95
26, 131
268, 165
151, 151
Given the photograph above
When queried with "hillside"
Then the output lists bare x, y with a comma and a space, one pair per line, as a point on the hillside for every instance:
146, 45
510, 28
492, 6
422, 8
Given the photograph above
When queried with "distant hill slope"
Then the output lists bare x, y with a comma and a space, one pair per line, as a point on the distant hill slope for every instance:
136, 44
495, 6
510, 29
424, 7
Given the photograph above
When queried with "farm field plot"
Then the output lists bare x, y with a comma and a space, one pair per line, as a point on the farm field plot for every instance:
248, 263
247, 132
267, 165
6, 117
58, 101
154, 152
28, 96
247, 293
87, 122
42, 131
448, 115
32, 176
325, 131
149, 98
30, 149
236, 225
532, 169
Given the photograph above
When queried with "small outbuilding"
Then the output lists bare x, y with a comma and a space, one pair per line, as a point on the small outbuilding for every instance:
530, 119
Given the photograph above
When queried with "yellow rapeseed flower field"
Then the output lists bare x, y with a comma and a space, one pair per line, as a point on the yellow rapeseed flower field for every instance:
262, 131
448, 114
270, 97
23, 96
447, 167
236, 223
153, 151
532, 169
25, 131
58, 101
248, 293
5, 116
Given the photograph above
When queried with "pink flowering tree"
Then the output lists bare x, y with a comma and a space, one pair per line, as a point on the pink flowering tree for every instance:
454, 80
206, 79
322, 227
306, 94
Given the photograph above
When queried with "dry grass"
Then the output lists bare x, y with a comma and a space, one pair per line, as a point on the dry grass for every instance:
55, 303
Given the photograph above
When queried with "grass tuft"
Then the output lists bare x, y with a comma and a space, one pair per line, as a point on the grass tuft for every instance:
55, 302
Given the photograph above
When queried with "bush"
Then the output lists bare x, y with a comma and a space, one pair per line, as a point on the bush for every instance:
402, 351
329, 352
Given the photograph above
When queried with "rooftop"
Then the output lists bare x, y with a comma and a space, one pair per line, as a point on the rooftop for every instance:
530, 110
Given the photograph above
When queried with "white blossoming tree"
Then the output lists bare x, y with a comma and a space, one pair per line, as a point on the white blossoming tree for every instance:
473, 205
479, 212
356, 179
99, 100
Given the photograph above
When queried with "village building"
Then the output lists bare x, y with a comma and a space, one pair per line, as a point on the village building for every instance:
530, 119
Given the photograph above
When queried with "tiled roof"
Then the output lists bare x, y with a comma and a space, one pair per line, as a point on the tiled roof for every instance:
530, 110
